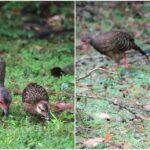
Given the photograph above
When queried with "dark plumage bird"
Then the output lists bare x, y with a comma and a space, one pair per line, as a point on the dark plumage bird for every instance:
58, 72
113, 44
36, 101
5, 97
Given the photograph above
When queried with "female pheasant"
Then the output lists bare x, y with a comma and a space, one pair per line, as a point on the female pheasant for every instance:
5, 97
36, 101
113, 44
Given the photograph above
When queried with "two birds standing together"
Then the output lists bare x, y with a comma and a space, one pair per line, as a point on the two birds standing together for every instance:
34, 97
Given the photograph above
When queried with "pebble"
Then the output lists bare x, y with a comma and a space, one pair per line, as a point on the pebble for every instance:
147, 107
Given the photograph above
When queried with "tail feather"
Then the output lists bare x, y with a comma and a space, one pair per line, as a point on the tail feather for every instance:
137, 48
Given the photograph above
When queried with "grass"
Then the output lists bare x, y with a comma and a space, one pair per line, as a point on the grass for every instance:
98, 92
31, 61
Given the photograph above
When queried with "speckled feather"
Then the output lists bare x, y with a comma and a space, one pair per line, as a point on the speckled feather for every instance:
34, 93
110, 41
114, 42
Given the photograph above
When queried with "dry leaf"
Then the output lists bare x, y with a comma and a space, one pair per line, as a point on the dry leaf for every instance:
38, 47
14, 101
93, 142
64, 106
146, 24
103, 116
125, 146
108, 137
16, 11
17, 92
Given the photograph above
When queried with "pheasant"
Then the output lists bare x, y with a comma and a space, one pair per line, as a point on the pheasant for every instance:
113, 44
5, 97
36, 101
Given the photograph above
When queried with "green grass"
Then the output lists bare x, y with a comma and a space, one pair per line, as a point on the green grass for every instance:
31, 61
107, 88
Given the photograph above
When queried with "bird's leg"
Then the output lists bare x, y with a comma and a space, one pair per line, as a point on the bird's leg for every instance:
117, 60
116, 67
125, 60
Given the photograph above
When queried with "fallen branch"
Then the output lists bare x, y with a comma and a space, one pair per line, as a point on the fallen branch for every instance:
92, 97
91, 71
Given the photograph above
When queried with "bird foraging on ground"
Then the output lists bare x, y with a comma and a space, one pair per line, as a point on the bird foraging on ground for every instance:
113, 44
36, 101
5, 97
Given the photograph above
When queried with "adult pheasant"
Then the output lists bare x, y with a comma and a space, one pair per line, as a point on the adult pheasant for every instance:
113, 44
36, 101
5, 97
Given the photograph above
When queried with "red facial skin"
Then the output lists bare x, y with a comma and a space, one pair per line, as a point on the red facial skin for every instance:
4, 107
85, 45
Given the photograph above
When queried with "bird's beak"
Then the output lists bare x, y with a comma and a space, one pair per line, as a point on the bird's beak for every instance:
48, 116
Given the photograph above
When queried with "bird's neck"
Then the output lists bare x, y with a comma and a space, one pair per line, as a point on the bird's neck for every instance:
30, 108
2, 73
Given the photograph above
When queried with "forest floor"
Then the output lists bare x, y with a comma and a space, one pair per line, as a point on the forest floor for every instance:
30, 60
113, 107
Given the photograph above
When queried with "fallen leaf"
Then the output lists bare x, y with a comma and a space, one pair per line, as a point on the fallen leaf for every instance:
17, 92
16, 11
93, 142
84, 26
103, 116
147, 107
137, 33
146, 24
141, 127
38, 47
125, 146
56, 22
14, 101
63, 106
108, 137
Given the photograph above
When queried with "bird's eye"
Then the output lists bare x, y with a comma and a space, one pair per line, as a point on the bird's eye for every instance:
41, 109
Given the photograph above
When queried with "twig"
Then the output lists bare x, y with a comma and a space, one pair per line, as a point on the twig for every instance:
91, 71
86, 96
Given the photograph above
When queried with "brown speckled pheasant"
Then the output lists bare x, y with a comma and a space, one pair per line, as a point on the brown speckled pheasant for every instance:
113, 44
36, 101
5, 98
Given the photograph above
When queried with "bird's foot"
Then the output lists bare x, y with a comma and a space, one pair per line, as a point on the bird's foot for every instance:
126, 66
116, 67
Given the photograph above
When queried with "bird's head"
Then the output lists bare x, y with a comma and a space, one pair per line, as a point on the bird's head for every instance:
5, 107
42, 108
85, 41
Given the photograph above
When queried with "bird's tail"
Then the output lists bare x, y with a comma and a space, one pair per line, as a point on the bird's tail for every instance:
137, 48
